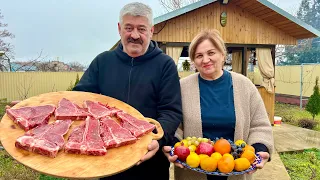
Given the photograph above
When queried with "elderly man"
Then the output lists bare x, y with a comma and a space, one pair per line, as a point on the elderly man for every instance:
139, 73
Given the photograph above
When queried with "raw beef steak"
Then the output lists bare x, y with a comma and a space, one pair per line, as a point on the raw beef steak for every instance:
30, 117
46, 139
68, 110
99, 110
85, 139
135, 126
113, 135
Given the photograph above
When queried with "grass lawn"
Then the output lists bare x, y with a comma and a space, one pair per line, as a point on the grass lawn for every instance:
2, 110
291, 114
302, 165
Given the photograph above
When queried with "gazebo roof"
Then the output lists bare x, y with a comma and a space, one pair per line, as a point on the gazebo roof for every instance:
262, 9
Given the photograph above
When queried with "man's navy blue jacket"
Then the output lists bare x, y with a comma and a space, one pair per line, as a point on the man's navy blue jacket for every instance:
149, 83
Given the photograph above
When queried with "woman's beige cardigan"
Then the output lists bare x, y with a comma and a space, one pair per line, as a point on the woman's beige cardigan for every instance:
252, 123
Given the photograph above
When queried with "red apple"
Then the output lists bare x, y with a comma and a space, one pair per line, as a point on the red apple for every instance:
182, 152
205, 148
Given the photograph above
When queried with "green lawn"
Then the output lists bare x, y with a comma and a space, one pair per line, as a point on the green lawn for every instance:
2, 110
302, 165
291, 114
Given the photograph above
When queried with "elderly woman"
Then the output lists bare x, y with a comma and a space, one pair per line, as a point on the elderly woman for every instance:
218, 103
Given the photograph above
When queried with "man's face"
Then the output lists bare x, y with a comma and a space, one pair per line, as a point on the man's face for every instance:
136, 34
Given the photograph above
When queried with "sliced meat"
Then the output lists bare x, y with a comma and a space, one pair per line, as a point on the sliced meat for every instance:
30, 117
68, 110
46, 139
113, 135
99, 110
135, 126
85, 139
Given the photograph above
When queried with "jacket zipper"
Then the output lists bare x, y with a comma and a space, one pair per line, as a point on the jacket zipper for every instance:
130, 80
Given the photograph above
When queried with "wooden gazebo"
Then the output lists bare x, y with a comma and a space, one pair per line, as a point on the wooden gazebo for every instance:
246, 26
249, 28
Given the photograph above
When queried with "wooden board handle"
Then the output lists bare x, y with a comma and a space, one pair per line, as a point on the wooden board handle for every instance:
158, 127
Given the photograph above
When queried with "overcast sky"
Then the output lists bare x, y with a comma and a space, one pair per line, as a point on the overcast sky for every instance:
73, 30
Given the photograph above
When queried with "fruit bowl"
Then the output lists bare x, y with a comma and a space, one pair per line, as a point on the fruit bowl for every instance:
217, 173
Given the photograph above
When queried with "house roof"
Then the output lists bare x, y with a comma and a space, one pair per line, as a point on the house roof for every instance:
262, 9
22, 67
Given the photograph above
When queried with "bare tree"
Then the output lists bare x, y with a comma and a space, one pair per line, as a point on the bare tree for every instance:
24, 86
171, 5
5, 46
46, 67
76, 66
31, 64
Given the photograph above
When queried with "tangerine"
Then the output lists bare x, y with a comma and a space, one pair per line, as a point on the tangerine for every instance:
209, 164
202, 156
241, 164
226, 164
222, 146
250, 148
248, 155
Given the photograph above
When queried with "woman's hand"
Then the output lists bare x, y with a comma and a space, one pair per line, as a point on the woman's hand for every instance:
264, 159
166, 150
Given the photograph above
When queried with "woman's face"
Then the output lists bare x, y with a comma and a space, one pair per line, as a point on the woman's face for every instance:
208, 60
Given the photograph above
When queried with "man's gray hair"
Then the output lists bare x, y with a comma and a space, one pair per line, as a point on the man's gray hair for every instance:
137, 9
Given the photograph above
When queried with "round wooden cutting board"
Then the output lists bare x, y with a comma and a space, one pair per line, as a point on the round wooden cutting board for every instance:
72, 165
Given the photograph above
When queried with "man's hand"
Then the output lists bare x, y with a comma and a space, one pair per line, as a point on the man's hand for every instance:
12, 104
264, 157
166, 150
153, 147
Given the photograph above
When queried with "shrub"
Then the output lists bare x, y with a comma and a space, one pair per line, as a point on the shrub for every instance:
72, 85
313, 105
288, 118
307, 123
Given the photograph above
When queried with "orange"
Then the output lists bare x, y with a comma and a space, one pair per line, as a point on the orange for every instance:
222, 146
248, 147
226, 164
241, 164
248, 155
209, 164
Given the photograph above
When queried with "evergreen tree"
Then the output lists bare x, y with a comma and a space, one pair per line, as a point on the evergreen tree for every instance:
304, 12
77, 80
186, 65
313, 105
307, 50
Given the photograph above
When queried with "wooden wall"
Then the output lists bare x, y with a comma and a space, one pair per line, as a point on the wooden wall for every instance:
268, 100
242, 27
